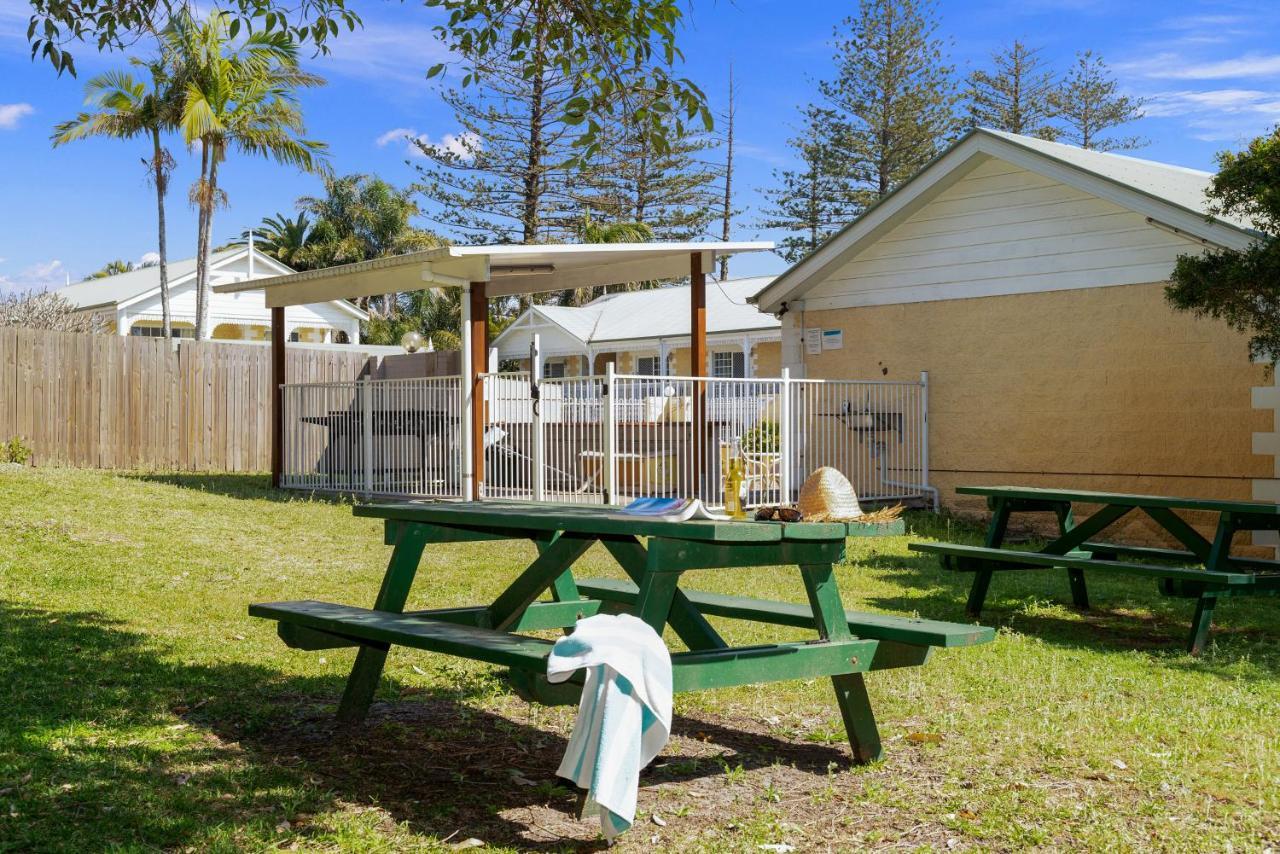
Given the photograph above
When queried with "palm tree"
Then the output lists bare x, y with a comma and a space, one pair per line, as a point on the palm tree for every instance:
111, 268
123, 108
281, 238
361, 217
592, 231
236, 96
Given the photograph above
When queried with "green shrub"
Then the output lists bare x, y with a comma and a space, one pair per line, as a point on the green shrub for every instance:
762, 439
16, 450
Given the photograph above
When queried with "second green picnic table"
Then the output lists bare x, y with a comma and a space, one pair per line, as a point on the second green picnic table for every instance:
1203, 569
654, 555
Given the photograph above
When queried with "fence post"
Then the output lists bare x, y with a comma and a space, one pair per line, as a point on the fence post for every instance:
366, 415
539, 437
785, 463
924, 439
608, 456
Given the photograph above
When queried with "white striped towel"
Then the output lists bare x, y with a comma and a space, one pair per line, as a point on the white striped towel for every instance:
624, 718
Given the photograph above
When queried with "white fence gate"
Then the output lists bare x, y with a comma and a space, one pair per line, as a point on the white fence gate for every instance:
608, 439
616, 437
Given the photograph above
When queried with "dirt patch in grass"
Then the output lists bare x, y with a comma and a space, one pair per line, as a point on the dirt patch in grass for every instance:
449, 770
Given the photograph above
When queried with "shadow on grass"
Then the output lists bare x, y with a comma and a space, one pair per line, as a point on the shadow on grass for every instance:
90, 756
237, 485
1126, 613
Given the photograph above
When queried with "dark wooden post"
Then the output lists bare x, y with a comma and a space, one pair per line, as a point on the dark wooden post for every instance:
479, 364
277, 395
698, 366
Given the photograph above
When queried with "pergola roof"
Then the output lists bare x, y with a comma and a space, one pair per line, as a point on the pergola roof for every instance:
508, 269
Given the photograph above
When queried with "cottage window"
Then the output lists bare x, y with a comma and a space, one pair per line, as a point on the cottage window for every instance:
649, 366
553, 370
158, 332
730, 363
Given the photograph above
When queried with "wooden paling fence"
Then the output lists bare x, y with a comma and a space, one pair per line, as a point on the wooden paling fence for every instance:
106, 401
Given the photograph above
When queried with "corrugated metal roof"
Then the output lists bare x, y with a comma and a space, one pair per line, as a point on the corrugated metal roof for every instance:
1175, 184
507, 269
579, 322
125, 286
662, 312
1175, 195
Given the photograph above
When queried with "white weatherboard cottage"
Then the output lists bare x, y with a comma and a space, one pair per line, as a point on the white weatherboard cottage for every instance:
130, 302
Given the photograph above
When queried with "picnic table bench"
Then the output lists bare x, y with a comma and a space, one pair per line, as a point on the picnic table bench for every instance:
1204, 569
848, 643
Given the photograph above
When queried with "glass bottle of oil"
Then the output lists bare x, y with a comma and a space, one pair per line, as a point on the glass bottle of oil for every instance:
733, 477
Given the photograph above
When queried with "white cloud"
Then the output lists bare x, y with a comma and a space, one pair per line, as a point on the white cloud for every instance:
1218, 115
41, 276
384, 53
1174, 66
1199, 23
149, 258
395, 135
1217, 100
11, 114
463, 145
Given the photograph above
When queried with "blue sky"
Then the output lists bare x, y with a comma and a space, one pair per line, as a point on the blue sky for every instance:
1210, 69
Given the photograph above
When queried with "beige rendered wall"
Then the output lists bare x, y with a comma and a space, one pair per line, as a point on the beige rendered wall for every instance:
1101, 388
767, 356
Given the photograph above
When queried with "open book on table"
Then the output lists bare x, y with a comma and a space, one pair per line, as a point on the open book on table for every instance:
668, 510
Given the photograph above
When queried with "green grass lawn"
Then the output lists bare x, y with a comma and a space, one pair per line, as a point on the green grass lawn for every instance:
141, 709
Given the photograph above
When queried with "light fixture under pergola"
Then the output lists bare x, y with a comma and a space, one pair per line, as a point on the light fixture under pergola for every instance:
484, 273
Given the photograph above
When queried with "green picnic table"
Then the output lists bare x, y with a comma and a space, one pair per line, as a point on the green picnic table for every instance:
654, 555
1204, 569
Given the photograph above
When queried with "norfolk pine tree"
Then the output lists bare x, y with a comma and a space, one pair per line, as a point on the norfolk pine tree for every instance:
1087, 104
811, 202
887, 112
891, 105
1015, 94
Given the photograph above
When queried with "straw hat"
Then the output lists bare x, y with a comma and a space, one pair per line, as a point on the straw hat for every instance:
827, 496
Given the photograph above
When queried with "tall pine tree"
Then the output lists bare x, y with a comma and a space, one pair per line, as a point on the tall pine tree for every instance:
503, 177
1088, 104
891, 105
1015, 94
811, 202
629, 180
727, 210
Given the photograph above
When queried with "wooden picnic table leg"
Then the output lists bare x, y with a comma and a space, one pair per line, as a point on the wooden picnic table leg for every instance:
564, 588
553, 562
995, 537
851, 688
657, 592
370, 658
1201, 622
1216, 561
685, 618
1075, 576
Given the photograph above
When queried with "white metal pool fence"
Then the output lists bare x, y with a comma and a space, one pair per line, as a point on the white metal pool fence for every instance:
610, 438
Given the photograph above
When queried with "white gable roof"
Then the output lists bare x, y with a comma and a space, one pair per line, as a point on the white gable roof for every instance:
123, 289
664, 312
651, 314
1177, 185
1170, 197
579, 322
